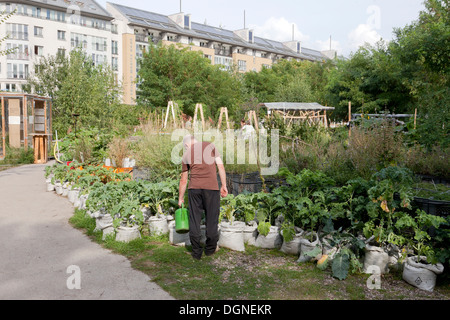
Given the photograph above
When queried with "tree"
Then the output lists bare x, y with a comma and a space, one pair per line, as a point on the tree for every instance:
3, 17
423, 50
289, 81
77, 87
168, 73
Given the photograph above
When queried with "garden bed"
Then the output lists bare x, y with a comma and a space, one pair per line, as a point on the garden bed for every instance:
346, 219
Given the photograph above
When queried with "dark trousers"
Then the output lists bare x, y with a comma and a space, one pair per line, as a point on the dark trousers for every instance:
208, 201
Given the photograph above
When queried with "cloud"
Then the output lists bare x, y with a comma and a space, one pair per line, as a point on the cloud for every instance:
279, 29
362, 34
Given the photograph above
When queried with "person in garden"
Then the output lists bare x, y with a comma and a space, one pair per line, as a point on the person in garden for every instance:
246, 129
200, 163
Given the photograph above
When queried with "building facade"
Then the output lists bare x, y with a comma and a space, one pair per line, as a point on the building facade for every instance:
118, 35
44, 28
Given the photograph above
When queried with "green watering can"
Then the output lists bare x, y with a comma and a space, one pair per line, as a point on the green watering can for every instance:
182, 220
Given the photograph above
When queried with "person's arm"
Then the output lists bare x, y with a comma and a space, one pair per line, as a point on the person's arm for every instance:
223, 177
183, 187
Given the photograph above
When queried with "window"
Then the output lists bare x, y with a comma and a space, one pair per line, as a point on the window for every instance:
17, 52
99, 44
78, 40
17, 71
17, 31
11, 87
225, 62
39, 51
38, 32
115, 63
61, 35
187, 22
114, 47
61, 52
242, 64
250, 36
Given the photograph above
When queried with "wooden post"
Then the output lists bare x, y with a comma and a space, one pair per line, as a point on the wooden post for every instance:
3, 128
25, 122
199, 106
253, 119
415, 119
222, 112
349, 118
170, 106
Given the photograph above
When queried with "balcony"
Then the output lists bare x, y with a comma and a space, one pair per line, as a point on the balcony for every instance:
17, 75
18, 56
14, 35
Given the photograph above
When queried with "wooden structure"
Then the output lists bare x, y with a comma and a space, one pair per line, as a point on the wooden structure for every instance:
199, 107
253, 118
293, 112
24, 117
223, 111
170, 107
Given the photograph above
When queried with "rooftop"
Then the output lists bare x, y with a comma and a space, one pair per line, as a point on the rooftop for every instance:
295, 106
161, 22
88, 7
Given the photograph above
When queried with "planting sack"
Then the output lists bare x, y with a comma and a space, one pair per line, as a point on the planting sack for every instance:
176, 238
73, 194
292, 247
376, 256
83, 199
273, 240
395, 258
128, 234
65, 189
50, 185
306, 245
250, 232
231, 236
158, 225
58, 188
102, 221
421, 275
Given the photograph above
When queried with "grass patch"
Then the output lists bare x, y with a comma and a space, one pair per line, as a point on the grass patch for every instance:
257, 274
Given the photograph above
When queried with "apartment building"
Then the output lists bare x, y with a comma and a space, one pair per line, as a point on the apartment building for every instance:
40, 28
241, 48
119, 35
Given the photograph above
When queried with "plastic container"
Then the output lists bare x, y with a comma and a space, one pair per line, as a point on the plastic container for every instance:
182, 220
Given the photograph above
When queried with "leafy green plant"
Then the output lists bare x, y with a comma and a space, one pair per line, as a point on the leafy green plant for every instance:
417, 228
228, 208
127, 213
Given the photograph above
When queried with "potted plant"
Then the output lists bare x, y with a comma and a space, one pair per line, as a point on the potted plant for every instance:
128, 219
421, 269
384, 210
231, 234
269, 208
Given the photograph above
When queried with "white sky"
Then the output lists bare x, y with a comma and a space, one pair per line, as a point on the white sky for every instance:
350, 23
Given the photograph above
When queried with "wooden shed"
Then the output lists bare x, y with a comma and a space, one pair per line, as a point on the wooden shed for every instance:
293, 112
26, 122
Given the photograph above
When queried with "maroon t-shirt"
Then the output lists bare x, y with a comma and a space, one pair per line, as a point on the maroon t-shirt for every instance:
199, 160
